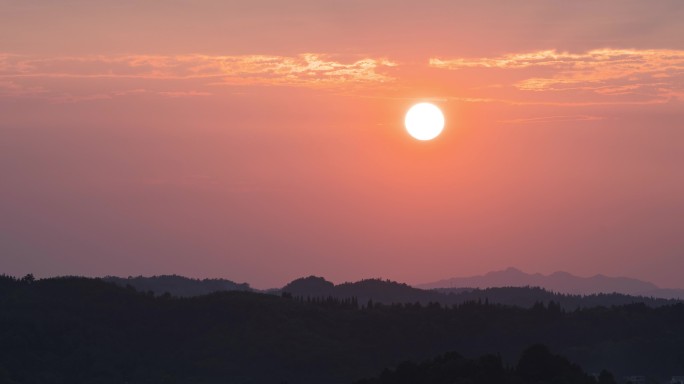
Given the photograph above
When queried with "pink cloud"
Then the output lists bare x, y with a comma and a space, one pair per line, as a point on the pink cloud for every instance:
303, 69
649, 74
68, 77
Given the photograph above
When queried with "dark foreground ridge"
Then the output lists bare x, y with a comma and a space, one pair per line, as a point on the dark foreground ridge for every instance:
78, 330
536, 365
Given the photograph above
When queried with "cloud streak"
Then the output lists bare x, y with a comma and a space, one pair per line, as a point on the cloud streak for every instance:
552, 119
88, 77
652, 73
304, 69
594, 77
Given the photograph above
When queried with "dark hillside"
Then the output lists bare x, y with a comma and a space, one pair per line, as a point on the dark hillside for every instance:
388, 292
536, 365
77, 330
177, 285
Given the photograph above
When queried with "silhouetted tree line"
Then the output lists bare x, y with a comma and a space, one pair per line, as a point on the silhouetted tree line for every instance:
345, 303
386, 291
529, 296
536, 365
78, 330
175, 285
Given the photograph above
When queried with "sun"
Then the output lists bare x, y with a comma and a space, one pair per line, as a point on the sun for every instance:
424, 121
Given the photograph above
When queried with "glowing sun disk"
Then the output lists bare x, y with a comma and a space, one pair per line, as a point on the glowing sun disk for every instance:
424, 121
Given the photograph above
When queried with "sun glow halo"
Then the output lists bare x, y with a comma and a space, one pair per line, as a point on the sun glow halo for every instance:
424, 121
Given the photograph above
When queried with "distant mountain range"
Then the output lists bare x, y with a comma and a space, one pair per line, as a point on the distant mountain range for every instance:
509, 287
561, 282
388, 292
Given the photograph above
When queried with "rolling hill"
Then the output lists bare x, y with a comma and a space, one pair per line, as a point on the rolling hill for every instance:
561, 282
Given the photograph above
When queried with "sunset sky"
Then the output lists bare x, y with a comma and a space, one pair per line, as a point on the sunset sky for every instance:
262, 141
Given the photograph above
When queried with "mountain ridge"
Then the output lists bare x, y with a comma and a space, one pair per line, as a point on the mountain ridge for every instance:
559, 281
391, 292
176, 285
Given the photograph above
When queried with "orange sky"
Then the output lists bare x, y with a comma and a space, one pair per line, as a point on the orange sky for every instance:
262, 141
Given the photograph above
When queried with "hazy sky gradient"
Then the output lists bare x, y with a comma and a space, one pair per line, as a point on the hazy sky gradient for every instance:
262, 141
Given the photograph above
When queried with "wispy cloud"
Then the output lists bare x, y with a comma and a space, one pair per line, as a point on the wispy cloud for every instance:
552, 119
654, 73
304, 69
596, 77
56, 77
14, 88
74, 98
617, 59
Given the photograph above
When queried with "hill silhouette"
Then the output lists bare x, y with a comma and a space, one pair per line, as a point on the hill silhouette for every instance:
306, 285
177, 285
536, 365
71, 330
561, 282
389, 292
381, 291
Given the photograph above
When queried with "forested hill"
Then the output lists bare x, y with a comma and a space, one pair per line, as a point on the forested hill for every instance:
388, 292
529, 296
384, 291
536, 365
78, 330
177, 285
